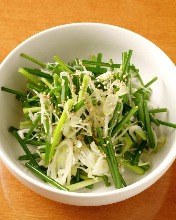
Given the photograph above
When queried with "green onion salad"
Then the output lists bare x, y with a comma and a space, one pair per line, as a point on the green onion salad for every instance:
87, 121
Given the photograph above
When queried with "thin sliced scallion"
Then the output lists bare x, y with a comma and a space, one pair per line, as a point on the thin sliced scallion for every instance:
34, 87
66, 88
65, 67
172, 125
138, 152
115, 117
151, 82
127, 144
39, 73
84, 183
140, 112
111, 152
47, 83
124, 120
148, 125
88, 62
111, 158
78, 105
25, 124
32, 109
25, 148
25, 157
96, 70
57, 131
154, 120
21, 94
157, 110
32, 128
136, 169
106, 180
46, 178
84, 87
32, 78
33, 60
36, 143
125, 62
47, 139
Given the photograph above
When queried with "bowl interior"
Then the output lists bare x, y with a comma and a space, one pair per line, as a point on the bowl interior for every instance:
82, 41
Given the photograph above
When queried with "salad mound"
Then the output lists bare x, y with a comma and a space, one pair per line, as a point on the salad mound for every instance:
87, 121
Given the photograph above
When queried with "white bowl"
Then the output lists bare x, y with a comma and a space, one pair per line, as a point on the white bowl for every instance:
83, 40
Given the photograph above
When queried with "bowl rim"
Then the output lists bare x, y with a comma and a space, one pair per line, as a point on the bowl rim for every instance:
145, 182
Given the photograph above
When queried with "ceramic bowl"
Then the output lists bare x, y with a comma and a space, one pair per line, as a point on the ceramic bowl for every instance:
83, 40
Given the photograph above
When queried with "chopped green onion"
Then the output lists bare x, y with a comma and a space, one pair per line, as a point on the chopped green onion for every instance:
32, 109
115, 117
25, 124
138, 152
47, 83
84, 87
79, 105
157, 110
13, 91
46, 178
148, 126
111, 158
57, 131
65, 67
66, 87
25, 157
150, 82
84, 183
32, 128
124, 120
125, 63
35, 143
25, 148
172, 125
34, 87
88, 62
106, 180
39, 73
33, 60
136, 169
30, 77
154, 120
